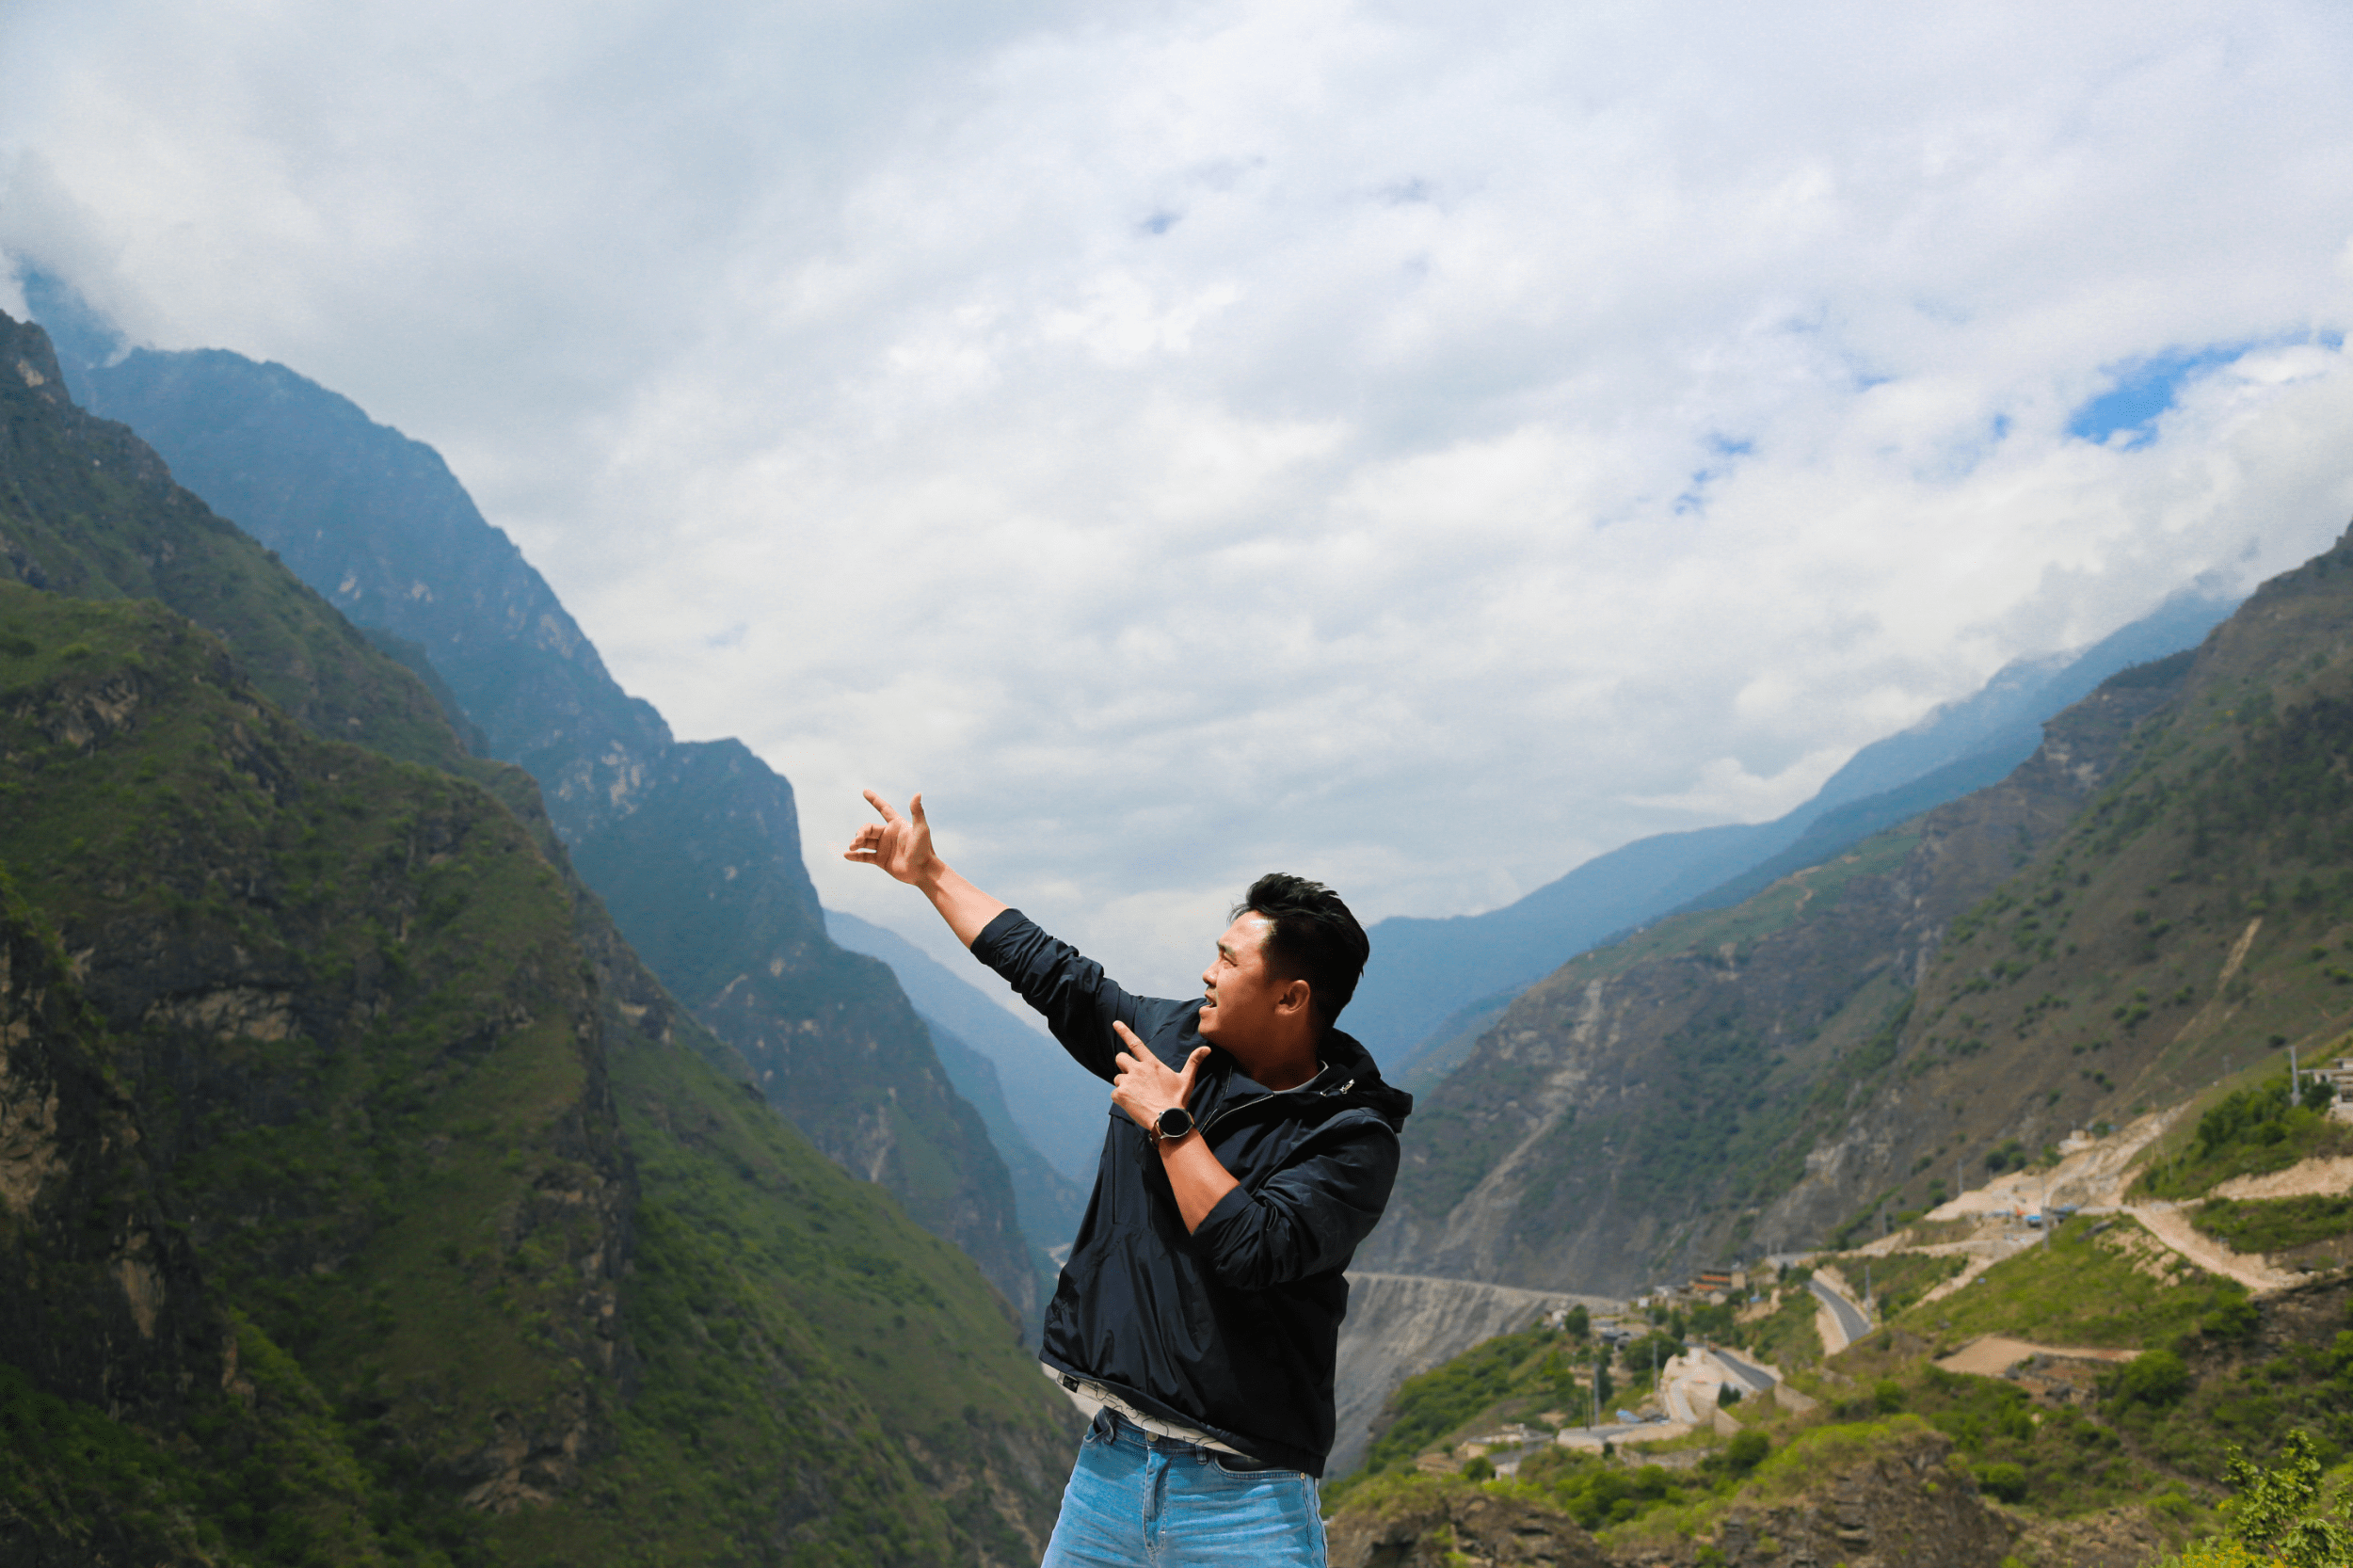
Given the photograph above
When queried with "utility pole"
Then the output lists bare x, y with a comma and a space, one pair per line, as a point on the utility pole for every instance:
2294, 1084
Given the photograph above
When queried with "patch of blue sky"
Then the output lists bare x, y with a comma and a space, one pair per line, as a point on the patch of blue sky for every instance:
1723, 449
2143, 391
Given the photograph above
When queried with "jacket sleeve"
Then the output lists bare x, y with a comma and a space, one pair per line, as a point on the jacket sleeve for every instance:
1308, 1218
1079, 1001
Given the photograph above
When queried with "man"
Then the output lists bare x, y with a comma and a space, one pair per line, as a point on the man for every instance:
1251, 1145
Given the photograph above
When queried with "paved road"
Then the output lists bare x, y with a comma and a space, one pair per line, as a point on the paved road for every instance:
1851, 1322
1757, 1378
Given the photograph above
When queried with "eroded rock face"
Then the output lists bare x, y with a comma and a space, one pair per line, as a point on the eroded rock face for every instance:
99, 1293
1890, 1501
1900, 1505
1450, 1527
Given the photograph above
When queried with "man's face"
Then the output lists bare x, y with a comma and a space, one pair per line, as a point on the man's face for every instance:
1241, 995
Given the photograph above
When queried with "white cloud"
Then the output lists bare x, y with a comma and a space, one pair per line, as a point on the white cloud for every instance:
1420, 445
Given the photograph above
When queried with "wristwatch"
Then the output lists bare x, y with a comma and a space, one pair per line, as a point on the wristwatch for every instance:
1171, 1125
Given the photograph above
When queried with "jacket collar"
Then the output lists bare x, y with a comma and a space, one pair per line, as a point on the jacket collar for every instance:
1347, 1077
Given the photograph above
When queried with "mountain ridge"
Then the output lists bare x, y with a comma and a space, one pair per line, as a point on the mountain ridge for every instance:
693, 847
1426, 970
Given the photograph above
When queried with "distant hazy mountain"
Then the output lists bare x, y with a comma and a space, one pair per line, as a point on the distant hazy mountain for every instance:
1058, 1105
1049, 1203
1438, 981
693, 847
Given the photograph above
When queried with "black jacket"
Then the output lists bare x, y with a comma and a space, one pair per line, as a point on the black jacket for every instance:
1231, 1329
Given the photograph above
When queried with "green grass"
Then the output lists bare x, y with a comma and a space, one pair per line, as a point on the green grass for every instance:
2274, 1225
1897, 1279
2120, 1287
97, 516
1787, 1337
2249, 1131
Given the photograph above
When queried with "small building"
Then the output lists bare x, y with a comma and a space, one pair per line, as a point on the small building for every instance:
2341, 1076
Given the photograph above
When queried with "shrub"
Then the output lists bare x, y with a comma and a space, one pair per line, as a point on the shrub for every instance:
2156, 1378
2005, 1482
1746, 1451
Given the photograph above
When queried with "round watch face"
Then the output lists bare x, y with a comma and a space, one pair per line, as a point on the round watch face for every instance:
1175, 1122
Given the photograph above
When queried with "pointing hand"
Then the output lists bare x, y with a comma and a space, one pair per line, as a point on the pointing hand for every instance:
900, 845
1144, 1086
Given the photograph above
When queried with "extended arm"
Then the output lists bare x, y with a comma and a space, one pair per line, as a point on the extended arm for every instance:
902, 847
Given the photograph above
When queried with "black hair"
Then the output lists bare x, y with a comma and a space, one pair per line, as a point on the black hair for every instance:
1310, 936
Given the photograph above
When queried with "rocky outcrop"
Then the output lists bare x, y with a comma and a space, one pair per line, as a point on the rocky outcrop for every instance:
279, 939
1443, 1525
1893, 1503
101, 1297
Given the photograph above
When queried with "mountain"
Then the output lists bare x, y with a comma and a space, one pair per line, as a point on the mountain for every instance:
1049, 1203
2158, 887
1438, 982
1058, 1105
363, 1197
693, 847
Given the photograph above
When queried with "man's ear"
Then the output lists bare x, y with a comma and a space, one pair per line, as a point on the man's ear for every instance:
1294, 997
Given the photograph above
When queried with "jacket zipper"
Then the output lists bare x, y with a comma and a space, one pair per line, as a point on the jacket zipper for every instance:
1227, 1111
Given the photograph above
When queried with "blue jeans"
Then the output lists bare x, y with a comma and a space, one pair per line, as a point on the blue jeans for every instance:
1136, 1500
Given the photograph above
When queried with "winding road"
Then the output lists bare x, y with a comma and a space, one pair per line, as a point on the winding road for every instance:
1757, 1378
1851, 1322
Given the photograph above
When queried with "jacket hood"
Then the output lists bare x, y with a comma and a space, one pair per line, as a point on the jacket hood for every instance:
1342, 1052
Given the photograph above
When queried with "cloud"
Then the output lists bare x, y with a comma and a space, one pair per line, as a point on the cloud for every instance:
1421, 446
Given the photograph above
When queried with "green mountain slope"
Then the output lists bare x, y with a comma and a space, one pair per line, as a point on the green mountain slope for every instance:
2157, 893
87, 509
1645, 1108
695, 847
362, 1197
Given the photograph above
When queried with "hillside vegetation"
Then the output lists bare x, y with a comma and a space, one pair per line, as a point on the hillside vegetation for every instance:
693, 847
362, 1198
2158, 895
2062, 1459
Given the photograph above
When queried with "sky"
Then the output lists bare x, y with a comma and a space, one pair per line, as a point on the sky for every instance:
1419, 446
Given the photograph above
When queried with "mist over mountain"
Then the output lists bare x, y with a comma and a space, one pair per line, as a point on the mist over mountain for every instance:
693, 847
1426, 973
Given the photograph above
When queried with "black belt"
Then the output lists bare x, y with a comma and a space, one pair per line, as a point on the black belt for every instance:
1111, 1421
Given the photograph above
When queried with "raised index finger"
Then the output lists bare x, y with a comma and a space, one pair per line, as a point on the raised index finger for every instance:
881, 805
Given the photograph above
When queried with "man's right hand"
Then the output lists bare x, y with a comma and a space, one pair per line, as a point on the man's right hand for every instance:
900, 845
903, 846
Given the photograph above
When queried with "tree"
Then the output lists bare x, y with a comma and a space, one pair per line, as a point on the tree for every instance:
2277, 1517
